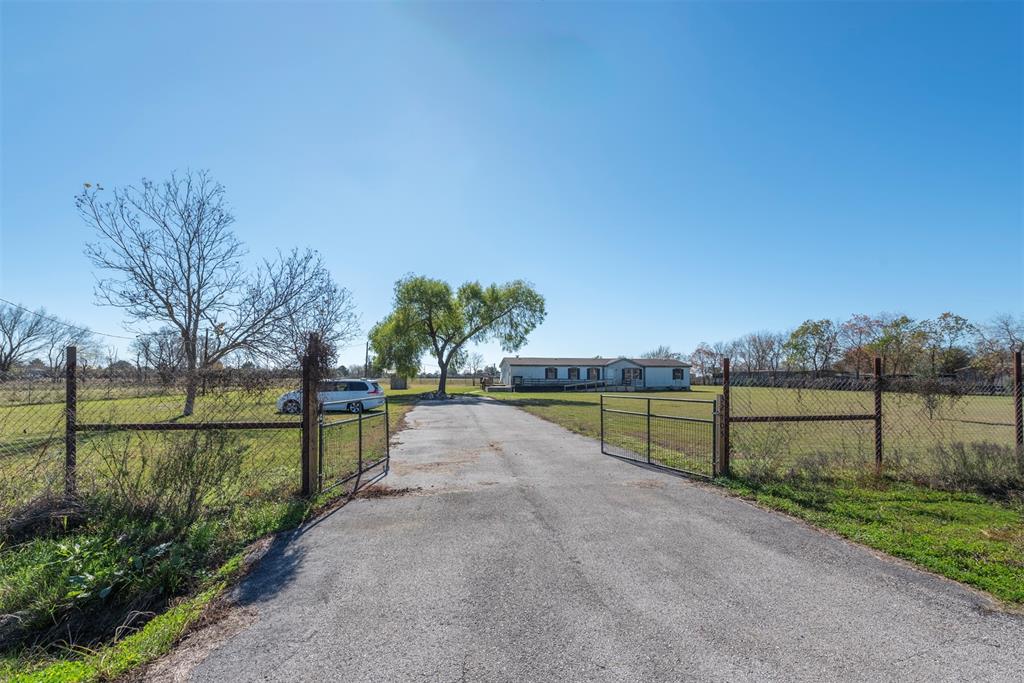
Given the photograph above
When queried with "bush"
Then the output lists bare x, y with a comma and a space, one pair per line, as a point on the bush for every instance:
170, 476
980, 465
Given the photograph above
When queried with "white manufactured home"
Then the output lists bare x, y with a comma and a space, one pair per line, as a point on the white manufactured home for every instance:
583, 373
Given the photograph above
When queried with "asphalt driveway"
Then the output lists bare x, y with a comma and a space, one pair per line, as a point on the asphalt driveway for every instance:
525, 555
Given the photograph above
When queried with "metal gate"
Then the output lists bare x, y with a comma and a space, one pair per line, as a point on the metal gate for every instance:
678, 434
353, 446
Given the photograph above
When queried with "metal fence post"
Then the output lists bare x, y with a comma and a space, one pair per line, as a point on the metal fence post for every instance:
70, 417
1018, 408
725, 466
360, 422
716, 427
320, 446
648, 431
387, 438
310, 427
878, 415
602, 423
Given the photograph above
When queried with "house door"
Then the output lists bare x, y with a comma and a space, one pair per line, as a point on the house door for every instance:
632, 376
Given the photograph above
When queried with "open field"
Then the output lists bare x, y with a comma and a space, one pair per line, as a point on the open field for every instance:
32, 434
917, 441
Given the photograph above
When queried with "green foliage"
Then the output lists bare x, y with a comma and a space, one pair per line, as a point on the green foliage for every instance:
428, 317
814, 344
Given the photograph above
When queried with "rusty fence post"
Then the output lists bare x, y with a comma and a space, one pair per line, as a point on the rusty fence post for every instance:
310, 428
1018, 409
724, 467
878, 415
70, 418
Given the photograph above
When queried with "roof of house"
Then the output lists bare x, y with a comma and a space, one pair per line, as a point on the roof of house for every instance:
595, 362
660, 362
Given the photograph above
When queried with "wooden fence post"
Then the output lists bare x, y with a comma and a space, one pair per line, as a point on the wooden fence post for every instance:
1018, 408
310, 428
878, 415
724, 467
70, 417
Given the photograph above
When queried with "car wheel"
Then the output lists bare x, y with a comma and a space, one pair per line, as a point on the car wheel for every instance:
355, 408
291, 407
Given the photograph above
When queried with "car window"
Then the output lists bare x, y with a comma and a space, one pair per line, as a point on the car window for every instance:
376, 386
357, 386
327, 386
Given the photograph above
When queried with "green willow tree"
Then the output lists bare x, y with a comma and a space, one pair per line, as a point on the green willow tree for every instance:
429, 317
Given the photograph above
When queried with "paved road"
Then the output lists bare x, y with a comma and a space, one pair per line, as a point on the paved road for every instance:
528, 556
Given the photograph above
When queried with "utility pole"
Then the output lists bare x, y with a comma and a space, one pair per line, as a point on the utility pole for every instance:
366, 363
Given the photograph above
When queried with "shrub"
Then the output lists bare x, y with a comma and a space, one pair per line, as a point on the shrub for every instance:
980, 465
171, 476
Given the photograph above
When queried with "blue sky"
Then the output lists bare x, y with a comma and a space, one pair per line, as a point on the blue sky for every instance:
664, 173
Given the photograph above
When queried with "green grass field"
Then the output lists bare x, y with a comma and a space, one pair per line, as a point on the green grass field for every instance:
915, 438
32, 436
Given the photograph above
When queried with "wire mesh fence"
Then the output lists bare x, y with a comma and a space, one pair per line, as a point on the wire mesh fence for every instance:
215, 438
673, 433
174, 443
947, 433
353, 450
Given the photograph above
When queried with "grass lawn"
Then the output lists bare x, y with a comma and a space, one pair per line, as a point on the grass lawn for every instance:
968, 537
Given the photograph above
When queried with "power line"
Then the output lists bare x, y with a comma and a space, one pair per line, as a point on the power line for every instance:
65, 323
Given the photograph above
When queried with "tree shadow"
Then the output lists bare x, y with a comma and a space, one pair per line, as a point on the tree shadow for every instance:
276, 566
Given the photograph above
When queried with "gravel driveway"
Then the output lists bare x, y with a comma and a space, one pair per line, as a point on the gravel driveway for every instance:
528, 556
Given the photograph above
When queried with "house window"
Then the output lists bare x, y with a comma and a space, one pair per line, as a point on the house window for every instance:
550, 373
593, 373
677, 373
574, 373
632, 375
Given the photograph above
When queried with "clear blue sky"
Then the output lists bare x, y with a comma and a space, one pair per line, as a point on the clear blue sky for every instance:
664, 174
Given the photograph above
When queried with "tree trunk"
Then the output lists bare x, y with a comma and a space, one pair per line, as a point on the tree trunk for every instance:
190, 379
442, 383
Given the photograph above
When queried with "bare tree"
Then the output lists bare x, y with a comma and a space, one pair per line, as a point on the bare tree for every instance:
662, 352
856, 337
173, 259
474, 361
995, 344
328, 310
22, 333
706, 360
61, 335
161, 351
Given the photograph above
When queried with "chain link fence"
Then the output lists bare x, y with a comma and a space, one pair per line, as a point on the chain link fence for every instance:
176, 444
946, 433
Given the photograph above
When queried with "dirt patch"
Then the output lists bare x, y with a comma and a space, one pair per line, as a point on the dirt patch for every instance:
433, 465
382, 491
645, 483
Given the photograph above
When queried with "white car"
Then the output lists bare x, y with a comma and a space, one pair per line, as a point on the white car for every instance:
353, 395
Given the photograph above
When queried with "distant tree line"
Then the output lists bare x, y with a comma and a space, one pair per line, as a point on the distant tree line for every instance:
948, 345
